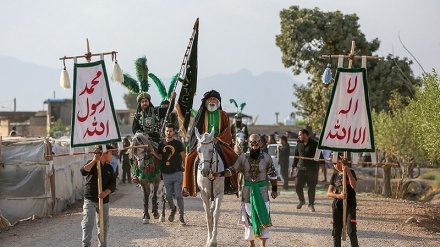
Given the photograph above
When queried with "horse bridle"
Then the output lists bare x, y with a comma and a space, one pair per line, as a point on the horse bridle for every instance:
145, 152
210, 174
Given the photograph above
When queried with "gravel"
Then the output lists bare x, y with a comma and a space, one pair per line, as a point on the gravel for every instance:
381, 222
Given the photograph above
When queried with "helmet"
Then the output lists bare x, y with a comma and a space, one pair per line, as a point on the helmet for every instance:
238, 115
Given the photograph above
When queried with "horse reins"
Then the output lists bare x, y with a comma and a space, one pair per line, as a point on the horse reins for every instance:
210, 173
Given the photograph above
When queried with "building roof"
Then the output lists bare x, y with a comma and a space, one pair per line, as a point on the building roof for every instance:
232, 114
56, 101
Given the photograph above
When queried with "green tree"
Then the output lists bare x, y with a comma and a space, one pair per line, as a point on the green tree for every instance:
307, 34
410, 132
130, 101
58, 126
425, 113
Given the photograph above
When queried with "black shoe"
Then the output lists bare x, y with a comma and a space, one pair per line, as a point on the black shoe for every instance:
172, 214
182, 221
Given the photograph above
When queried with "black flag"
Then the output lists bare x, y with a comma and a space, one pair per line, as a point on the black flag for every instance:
188, 77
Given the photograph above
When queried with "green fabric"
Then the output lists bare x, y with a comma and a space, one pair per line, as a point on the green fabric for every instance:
214, 121
259, 216
136, 171
150, 176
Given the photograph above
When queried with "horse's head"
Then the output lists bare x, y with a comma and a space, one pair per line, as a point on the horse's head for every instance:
206, 152
240, 138
141, 154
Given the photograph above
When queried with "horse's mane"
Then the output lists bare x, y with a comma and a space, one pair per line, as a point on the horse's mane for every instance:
205, 139
138, 139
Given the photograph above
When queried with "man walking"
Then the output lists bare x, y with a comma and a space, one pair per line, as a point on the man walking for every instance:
308, 169
283, 161
257, 168
91, 196
172, 154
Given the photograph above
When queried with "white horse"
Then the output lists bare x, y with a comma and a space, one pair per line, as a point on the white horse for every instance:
211, 188
239, 142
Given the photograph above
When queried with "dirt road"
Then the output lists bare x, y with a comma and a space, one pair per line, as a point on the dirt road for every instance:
381, 222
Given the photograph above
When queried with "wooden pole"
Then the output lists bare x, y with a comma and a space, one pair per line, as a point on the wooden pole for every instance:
344, 173
351, 57
88, 55
344, 207
113, 149
100, 204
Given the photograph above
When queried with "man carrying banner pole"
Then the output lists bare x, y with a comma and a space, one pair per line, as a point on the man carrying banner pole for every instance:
348, 125
93, 123
97, 189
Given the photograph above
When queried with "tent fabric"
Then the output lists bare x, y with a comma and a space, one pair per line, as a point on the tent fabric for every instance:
34, 185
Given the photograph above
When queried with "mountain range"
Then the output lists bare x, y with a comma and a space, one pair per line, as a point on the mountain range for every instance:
265, 94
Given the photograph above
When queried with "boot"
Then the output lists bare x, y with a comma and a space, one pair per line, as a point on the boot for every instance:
172, 214
182, 221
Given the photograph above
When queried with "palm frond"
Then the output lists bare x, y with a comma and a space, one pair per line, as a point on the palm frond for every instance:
172, 85
242, 106
159, 84
235, 103
130, 83
142, 73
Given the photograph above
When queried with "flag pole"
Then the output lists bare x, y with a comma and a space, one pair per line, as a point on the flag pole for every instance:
344, 173
182, 73
88, 55
351, 57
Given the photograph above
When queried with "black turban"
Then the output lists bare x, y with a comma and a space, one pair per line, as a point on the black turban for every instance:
210, 94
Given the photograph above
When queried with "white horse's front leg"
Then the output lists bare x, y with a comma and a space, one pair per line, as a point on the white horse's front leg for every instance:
208, 215
215, 209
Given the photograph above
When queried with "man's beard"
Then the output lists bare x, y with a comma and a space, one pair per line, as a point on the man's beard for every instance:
238, 124
212, 107
144, 108
254, 153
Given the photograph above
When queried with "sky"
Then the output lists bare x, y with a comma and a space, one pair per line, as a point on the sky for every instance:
233, 35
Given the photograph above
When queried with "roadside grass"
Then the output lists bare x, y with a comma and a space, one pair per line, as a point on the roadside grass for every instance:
432, 175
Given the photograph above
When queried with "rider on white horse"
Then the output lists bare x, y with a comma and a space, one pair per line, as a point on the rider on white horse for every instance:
210, 115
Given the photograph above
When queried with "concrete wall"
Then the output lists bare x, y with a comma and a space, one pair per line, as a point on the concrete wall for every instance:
271, 129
